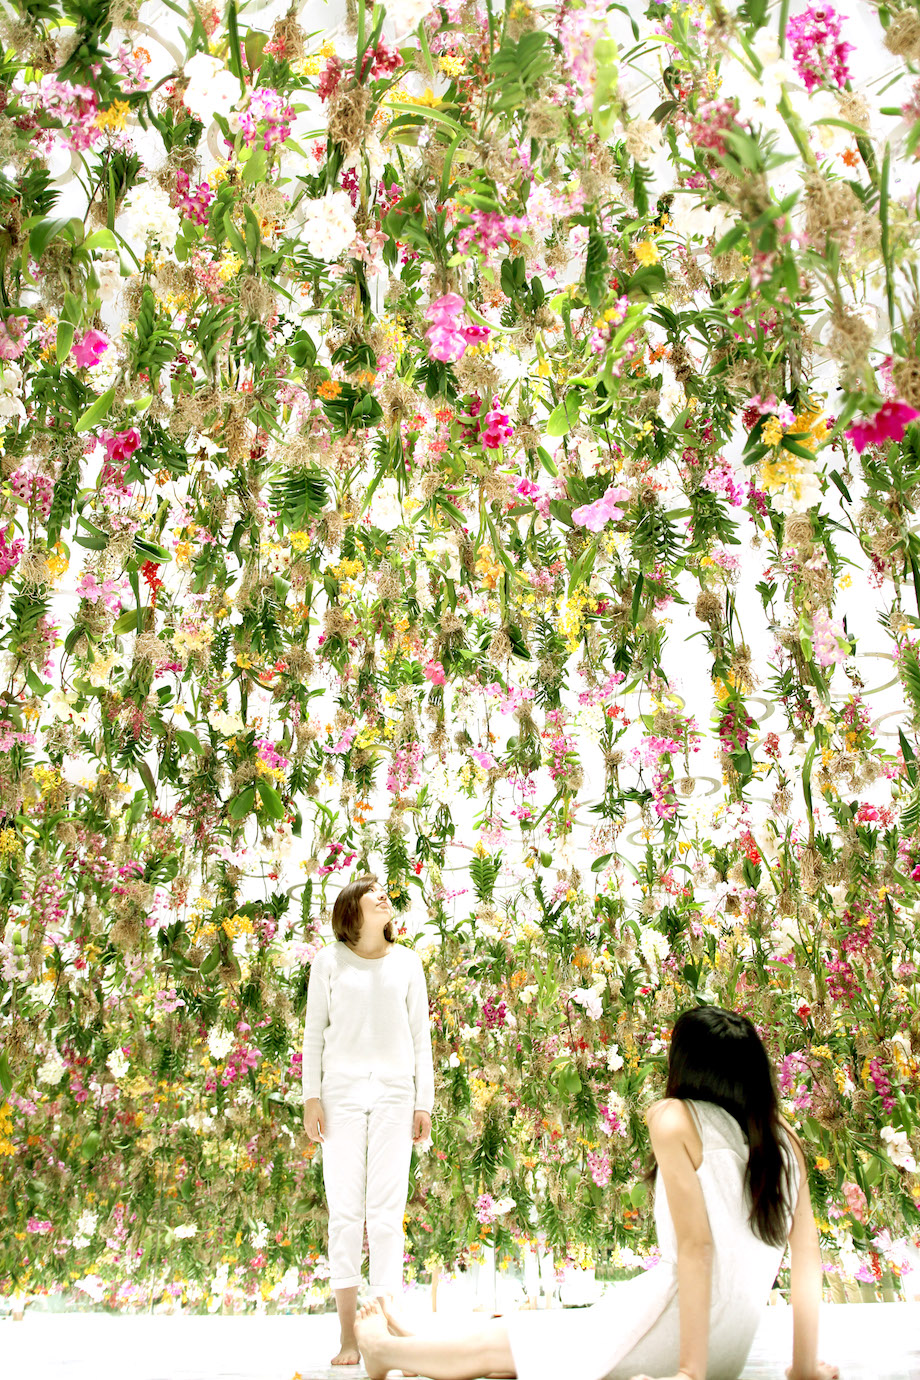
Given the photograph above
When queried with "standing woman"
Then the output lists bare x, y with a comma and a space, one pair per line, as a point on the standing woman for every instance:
368, 1088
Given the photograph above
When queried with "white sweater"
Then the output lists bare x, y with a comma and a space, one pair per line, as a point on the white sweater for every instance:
368, 1016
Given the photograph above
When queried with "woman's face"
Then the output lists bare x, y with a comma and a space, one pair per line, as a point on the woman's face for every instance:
376, 907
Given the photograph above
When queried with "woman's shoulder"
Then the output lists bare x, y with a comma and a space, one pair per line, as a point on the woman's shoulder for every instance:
668, 1113
326, 956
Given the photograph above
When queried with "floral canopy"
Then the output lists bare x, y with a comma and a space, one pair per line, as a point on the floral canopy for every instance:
477, 445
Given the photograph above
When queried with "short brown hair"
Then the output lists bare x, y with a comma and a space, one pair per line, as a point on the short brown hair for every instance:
346, 913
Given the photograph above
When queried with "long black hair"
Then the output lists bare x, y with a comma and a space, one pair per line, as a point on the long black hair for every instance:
717, 1056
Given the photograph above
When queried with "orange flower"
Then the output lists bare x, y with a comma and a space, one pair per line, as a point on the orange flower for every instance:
329, 389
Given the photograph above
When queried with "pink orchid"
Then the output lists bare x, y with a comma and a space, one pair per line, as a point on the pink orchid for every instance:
434, 672
888, 424
498, 428
88, 351
443, 310
483, 759
595, 516
447, 336
121, 445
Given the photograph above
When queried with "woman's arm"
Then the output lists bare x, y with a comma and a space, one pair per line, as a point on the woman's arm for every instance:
420, 1026
806, 1280
314, 1027
672, 1133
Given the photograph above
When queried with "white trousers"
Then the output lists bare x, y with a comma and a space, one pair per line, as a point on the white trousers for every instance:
367, 1149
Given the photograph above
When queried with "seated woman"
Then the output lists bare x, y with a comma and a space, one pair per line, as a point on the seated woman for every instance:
735, 1191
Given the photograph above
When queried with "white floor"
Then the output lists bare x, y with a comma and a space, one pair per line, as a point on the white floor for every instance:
868, 1342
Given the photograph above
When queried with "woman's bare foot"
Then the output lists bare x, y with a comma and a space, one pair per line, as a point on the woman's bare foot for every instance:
373, 1341
396, 1324
347, 1354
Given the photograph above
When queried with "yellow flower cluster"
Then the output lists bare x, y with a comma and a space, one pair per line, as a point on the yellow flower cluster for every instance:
346, 570
57, 561
312, 66
571, 614
482, 1094
228, 267
113, 117
646, 253
451, 65
11, 848
6, 1118
429, 99
47, 779
782, 470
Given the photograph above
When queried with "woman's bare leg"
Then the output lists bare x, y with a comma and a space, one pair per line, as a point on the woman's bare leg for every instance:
481, 1351
346, 1303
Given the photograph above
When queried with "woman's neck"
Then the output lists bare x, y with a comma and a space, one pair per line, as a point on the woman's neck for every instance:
372, 947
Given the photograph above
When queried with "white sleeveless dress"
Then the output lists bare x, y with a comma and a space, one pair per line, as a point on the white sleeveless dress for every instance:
635, 1327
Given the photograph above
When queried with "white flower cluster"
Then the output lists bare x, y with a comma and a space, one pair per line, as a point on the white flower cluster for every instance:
211, 90
220, 1043
654, 947
898, 1148
147, 214
85, 1229
118, 1065
52, 1070
329, 227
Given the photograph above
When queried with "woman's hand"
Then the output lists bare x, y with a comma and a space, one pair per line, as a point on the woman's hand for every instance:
314, 1119
421, 1128
822, 1371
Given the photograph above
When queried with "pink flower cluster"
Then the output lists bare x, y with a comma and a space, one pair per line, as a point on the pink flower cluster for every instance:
109, 592
267, 116
434, 672
485, 1209
267, 756
194, 205
121, 445
603, 331
447, 336
818, 52
89, 349
595, 516
488, 230
12, 337
720, 479
9, 552
37, 490
599, 1166
888, 424
405, 769
830, 643
498, 428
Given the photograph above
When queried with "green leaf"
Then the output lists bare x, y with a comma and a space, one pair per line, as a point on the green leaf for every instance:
189, 741
44, 233
210, 962
96, 411
564, 417
272, 803
254, 47
6, 1077
64, 340
126, 623
596, 269
600, 863
796, 448
100, 239
241, 804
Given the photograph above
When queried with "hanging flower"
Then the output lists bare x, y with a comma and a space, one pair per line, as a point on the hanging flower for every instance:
888, 424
